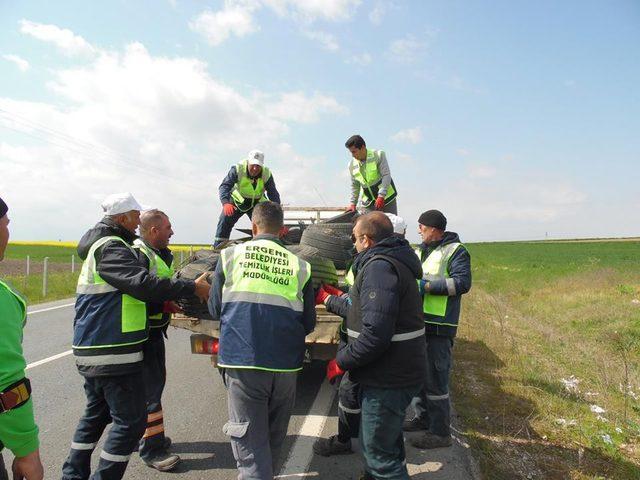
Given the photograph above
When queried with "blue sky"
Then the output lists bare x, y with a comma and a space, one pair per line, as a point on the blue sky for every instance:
519, 120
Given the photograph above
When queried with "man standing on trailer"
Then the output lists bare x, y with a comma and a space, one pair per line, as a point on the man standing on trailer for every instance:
370, 173
247, 184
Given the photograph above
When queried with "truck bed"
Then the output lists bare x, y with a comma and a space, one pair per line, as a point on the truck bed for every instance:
322, 343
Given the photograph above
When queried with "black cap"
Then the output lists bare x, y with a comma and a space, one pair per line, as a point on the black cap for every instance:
433, 218
3, 208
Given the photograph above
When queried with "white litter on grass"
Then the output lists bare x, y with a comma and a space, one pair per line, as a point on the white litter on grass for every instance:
618, 429
597, 409
635, 301
570, 384
566, 423
606, 438
591, 394
602, 419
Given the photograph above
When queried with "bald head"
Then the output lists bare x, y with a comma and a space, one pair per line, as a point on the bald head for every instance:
370, 229
155, 228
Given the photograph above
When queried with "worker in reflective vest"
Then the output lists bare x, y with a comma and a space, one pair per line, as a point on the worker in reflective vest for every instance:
370, 173
109, 333
18, 430
264, 299
247, 184
153, 244
385, 352
447, 276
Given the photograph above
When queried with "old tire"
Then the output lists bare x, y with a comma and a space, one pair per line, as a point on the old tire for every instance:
203, 261
322, 269
331, 244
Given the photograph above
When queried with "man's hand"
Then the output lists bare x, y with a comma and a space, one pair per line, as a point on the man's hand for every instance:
228, 209
283, 232
379, 203
322, 295
333, 371
351, 208
171, 307
331, 290
28, 467
202, 287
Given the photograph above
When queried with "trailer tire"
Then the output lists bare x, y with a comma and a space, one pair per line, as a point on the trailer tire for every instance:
322, 269
331, 244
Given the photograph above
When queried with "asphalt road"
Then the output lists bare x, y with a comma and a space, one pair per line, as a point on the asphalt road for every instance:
195, 411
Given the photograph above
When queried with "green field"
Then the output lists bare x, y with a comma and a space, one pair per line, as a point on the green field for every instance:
539, 313
38, 252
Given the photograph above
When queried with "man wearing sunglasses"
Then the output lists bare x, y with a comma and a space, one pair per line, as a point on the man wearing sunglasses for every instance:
385, 351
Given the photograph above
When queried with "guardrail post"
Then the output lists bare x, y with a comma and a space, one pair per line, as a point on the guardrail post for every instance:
45, 272
73, 263
28, 265
191, 251
181, 257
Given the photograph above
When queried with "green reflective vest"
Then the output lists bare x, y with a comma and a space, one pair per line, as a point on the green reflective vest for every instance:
437, 263
349, 277
245, 190
368, 175
133, 315
159, 268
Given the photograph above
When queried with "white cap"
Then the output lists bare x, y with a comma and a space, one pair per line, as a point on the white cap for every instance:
256, 157
118, 203
399, 225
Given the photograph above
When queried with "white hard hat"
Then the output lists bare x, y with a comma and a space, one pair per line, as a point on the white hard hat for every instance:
256, 157
399, 225
118, 203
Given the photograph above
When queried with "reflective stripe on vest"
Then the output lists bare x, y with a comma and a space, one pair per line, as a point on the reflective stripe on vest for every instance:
368, 175
245, 188
437, 263
264, 272
157, 267
134, 312
398, 337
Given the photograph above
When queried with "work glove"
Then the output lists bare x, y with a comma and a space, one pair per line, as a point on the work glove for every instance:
283, 232
334, 372
322, 295
228, 209
351, 208
379, 203
170, 307
331, 290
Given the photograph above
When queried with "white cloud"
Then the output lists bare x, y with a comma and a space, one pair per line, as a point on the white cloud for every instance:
20, 62
411, 135
235, 18
298, 107
379, 10
68, 42
327, 40
362, 59
481, 170
163, 128
311, 10
463, 152
406, 50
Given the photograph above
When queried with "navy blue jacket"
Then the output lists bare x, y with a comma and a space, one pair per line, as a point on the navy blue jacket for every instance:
229, 183
460, 272
383, 303
258, 335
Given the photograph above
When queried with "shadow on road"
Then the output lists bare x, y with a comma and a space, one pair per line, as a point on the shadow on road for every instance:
217, 456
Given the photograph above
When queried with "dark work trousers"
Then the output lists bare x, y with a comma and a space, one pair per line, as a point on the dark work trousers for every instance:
381, 438
391, 207
155, 377
3, 471
348, 409
432, 405
225, 225
260, 405
115, 399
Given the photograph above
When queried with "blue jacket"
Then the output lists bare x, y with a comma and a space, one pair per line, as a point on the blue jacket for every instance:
460, 271
385, 301
259, 336
229, 183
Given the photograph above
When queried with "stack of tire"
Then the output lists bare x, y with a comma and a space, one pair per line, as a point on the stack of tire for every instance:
202, 261
332, 240
322, 269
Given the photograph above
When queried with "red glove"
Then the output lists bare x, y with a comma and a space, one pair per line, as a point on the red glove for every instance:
321, 296
331, 290
228, 209
379, 203
333, 371
170, 307
351, 208
284, 231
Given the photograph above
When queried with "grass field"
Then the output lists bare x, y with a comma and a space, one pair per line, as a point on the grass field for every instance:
546, 372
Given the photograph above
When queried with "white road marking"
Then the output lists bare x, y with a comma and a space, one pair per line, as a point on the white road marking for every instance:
49, 359
301, 453
51, 308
